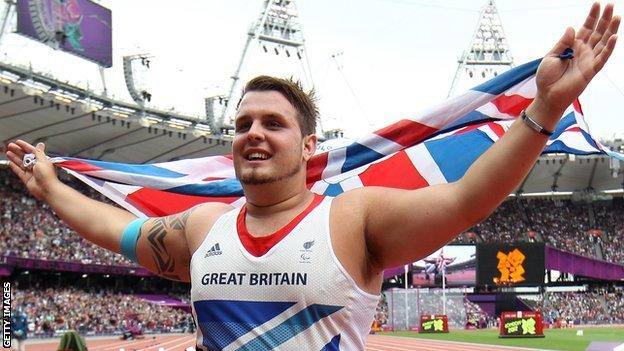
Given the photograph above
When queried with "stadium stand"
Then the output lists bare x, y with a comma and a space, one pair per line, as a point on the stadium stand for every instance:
614, 300
559, 223
94, 312
475, 316
30, 229
100, 305
597, 305
609, 219
576, 307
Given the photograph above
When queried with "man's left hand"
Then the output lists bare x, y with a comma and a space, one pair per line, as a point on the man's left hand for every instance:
560, 81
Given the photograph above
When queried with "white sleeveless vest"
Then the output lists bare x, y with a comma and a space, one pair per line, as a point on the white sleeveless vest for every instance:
297, 296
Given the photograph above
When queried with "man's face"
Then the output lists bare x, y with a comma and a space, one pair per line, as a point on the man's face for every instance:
267, 146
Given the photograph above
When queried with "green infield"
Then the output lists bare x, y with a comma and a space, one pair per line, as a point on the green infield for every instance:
556, 339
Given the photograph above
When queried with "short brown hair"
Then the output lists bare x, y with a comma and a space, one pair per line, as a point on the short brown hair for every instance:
304, 103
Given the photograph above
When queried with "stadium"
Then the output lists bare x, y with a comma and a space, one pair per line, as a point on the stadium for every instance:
544, 271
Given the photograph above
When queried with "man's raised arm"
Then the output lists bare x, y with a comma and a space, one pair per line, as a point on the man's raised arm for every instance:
161, 246
402, 226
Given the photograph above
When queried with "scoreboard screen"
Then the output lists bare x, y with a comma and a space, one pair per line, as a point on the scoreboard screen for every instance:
456, 262
81, 27
510, 264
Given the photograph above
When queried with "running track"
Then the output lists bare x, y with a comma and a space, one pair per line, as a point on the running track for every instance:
179, 342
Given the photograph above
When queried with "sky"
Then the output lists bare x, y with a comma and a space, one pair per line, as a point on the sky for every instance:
372, 62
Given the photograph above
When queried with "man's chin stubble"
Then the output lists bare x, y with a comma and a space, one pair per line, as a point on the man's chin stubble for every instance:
256, 179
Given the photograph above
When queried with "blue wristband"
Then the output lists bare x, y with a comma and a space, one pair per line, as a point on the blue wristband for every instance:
130, 237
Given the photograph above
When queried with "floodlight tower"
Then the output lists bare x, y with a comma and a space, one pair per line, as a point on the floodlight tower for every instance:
6, 17
488, 53
277, 29
136, 87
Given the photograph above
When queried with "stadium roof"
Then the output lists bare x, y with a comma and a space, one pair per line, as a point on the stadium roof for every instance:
74, 122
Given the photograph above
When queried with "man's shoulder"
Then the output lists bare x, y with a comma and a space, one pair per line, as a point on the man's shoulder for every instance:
218, 208
201, 219
350, 204
209, 212
358, 197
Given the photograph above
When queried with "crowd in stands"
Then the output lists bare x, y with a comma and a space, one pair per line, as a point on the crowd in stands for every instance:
475, 316
95, 311
597, 306
559, 223
182, 296
505, 224
609, 219
381, 314
614, 300
29, 229
575, 308
562, 224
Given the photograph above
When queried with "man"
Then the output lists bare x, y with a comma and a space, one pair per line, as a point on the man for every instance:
292, 268
19, 328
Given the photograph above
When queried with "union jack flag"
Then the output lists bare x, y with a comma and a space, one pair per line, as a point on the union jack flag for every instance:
435, 146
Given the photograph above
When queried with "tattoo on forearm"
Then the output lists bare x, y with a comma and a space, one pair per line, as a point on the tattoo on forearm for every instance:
165, 262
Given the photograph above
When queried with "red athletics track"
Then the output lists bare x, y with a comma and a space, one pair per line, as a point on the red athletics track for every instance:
179, 342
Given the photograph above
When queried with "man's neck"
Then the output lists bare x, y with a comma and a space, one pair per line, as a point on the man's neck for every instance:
268, 199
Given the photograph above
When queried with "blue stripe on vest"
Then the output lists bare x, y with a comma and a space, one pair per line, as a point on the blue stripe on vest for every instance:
290, 328
223, 321
333, 345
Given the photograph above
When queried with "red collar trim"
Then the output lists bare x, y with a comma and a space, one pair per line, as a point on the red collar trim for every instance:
258, 246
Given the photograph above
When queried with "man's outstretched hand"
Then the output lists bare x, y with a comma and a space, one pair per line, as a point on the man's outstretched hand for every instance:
37, 178
560, 81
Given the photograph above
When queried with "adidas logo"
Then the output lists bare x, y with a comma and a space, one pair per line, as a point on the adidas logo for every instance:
214, 250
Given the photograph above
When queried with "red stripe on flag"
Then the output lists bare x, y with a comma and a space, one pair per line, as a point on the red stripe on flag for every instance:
207, 179
316, 165
577, 106
497, 129
162, 203
79, 166
574, 129
406, 132
511, 104
394, 172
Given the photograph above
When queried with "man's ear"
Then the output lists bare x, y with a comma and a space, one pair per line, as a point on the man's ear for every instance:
309, 146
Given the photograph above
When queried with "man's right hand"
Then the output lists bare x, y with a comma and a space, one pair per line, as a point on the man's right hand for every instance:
38, 178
